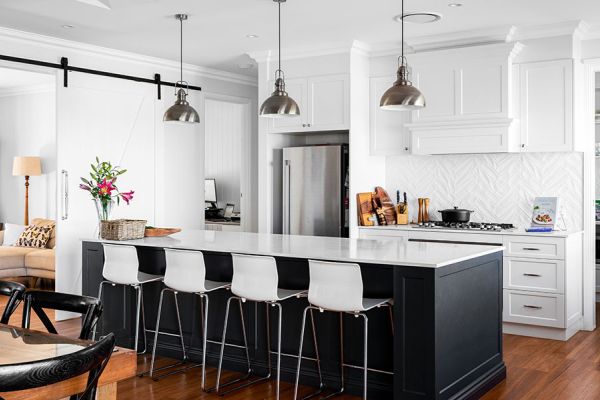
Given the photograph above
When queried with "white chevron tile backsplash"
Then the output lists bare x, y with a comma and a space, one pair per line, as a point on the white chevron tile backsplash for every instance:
499, 187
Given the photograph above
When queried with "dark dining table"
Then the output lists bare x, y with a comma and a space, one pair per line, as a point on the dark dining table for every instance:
18, 345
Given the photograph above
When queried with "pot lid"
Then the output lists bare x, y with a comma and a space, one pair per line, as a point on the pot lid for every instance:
456, 209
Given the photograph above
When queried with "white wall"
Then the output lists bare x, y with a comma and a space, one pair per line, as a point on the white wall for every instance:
27, 128
498, 187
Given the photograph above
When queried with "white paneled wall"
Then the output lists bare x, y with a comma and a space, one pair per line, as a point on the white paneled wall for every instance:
499, 187
225, 124
27, 128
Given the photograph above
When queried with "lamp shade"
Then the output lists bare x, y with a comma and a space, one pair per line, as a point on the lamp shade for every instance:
181, 111
279, 104
402, 95
27, 166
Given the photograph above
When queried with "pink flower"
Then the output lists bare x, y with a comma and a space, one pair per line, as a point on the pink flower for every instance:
106, 187
127, 196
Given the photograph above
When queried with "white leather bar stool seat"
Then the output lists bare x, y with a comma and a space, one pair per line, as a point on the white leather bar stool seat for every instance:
121, 267
338, 287
185, 273
255, 278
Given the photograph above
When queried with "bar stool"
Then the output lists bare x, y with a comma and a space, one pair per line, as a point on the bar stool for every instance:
338, 287
121, 267
255, 278
185, 273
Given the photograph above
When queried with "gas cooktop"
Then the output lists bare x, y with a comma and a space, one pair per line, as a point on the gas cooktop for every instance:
467, 226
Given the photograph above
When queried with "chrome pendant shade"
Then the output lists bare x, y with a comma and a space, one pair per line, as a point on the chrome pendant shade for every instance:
279, 104
181, 111
402, 96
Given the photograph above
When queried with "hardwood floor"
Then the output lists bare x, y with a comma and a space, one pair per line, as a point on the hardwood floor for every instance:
537, 369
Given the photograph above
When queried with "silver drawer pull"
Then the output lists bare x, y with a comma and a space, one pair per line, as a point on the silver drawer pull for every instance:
535, 275
533, 307
531, 248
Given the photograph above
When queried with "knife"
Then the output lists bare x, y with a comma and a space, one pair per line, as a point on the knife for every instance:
397, 196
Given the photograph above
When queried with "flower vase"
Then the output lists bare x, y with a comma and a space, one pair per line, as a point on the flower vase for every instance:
103, 209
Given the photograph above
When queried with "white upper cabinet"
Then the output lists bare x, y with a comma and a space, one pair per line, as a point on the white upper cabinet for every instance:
468, 100
546, 106
324, 103
388, 134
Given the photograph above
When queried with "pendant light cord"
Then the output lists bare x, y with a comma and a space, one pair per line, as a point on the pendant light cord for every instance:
181, 48
279, 29
402, 31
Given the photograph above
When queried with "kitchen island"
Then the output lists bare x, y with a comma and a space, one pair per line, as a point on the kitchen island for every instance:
447, 340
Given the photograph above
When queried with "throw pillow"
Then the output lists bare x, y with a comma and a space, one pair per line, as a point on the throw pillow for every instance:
35, 236
12, 232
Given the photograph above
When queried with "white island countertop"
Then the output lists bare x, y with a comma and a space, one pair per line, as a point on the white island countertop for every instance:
397, 252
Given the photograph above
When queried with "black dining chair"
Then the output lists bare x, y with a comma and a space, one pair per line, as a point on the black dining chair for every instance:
34, 374
14, 291
89, 307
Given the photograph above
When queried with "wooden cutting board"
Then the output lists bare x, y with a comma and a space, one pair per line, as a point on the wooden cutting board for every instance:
364, 203
159, 232
389, 211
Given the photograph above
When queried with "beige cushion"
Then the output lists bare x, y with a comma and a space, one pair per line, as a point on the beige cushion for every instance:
13, 257
42, 222
35, 236
38, 273
1, 236
42, 259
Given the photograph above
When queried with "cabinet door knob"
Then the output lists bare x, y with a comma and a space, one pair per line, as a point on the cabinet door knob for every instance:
406, 149
308, 125
523, 145
304, 125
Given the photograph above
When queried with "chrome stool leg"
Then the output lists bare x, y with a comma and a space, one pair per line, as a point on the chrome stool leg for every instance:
366, 342
157, 332
250, 371
204, 337
137, 317
300, 347
143, 316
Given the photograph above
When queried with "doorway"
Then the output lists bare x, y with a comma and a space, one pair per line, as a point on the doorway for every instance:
27, 154
227, 163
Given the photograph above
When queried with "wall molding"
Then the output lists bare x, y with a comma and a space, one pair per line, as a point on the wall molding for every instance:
27, 89
17, 36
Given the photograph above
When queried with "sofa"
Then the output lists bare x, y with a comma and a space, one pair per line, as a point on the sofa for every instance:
28, 261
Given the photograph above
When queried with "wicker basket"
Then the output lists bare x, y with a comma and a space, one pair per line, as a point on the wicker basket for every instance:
122, 229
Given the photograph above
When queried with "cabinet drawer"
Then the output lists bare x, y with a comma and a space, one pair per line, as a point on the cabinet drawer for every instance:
534, 308
534, 274
536, 247
376, 233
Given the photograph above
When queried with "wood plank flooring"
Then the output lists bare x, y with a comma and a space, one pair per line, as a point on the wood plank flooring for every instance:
537, 369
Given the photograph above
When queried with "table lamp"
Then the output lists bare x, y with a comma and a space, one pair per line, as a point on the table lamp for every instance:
27, 166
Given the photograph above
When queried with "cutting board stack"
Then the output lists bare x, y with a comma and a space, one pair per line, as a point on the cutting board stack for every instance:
377, 208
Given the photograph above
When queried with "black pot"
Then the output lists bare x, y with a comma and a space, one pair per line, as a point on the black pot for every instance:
456, 215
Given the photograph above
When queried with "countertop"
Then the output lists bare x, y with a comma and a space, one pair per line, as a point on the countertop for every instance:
515, 231
397, 252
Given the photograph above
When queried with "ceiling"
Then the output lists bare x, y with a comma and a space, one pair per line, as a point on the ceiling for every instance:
14, 78
216, 34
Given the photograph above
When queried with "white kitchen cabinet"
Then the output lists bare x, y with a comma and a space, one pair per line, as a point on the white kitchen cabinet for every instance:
546, 106
388, 134
324, 103
469, 100
542, 276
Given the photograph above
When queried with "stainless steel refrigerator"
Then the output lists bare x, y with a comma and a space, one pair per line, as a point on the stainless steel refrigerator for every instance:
315, 190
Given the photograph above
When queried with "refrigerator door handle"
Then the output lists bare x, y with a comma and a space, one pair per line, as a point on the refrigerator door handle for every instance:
286, 196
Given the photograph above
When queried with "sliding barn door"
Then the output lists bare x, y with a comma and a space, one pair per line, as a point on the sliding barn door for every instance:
115, 120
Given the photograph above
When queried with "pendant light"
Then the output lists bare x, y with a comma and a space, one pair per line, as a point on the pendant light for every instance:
402, 96
181, 111
279, 104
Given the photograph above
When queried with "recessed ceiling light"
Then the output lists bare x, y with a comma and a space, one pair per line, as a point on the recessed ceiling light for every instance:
252, 36
423, 17
67, 26
454, 4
